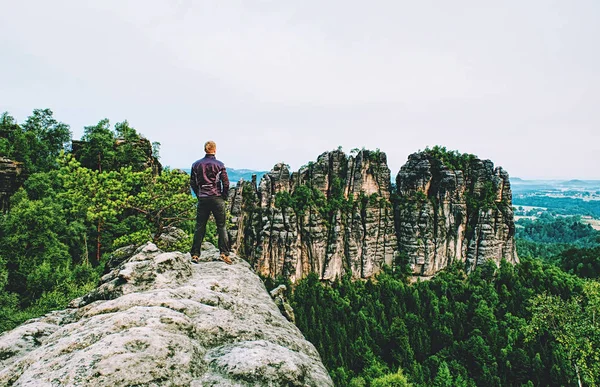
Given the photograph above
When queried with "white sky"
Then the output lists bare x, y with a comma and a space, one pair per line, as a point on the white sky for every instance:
517, 82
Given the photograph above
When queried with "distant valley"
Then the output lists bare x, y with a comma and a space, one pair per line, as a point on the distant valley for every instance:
236, 175
531, 198
576, 189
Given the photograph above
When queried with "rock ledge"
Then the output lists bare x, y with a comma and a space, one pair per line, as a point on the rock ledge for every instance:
158, 320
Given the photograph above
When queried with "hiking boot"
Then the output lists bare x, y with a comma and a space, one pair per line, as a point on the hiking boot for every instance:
225, 258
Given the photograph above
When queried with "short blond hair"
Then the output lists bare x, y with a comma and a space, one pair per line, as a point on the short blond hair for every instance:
210, 147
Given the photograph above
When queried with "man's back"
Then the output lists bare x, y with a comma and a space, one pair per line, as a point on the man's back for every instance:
209, 177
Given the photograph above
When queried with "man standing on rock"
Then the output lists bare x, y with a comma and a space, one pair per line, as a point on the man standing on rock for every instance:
210, 183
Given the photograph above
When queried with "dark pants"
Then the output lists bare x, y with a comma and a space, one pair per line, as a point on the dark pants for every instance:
216, 205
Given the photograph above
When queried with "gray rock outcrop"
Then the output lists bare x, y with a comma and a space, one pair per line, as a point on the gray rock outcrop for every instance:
158, 320
339, 215
332, 217
12, 176
278, 295
453, 208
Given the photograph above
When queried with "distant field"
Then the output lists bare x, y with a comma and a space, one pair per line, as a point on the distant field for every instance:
595, 223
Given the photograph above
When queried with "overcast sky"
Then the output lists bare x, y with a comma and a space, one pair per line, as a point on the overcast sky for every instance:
517, 82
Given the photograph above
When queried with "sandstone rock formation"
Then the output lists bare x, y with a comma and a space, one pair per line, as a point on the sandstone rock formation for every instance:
453, 207
331, 217
158, 320
339, 215
12, 176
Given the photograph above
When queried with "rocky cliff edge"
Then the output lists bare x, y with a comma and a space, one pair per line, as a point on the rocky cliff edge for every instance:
158, 320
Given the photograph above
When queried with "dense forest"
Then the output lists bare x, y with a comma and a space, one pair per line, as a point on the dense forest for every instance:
557, 229
81, 200
530, 324
563, 206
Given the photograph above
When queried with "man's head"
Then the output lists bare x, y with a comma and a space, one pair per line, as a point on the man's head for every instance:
210, 148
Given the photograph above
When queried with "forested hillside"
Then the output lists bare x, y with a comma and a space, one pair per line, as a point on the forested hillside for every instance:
77, 205
529, 324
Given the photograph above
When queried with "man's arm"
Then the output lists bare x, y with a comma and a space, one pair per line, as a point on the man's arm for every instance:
225, 183
193, 181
